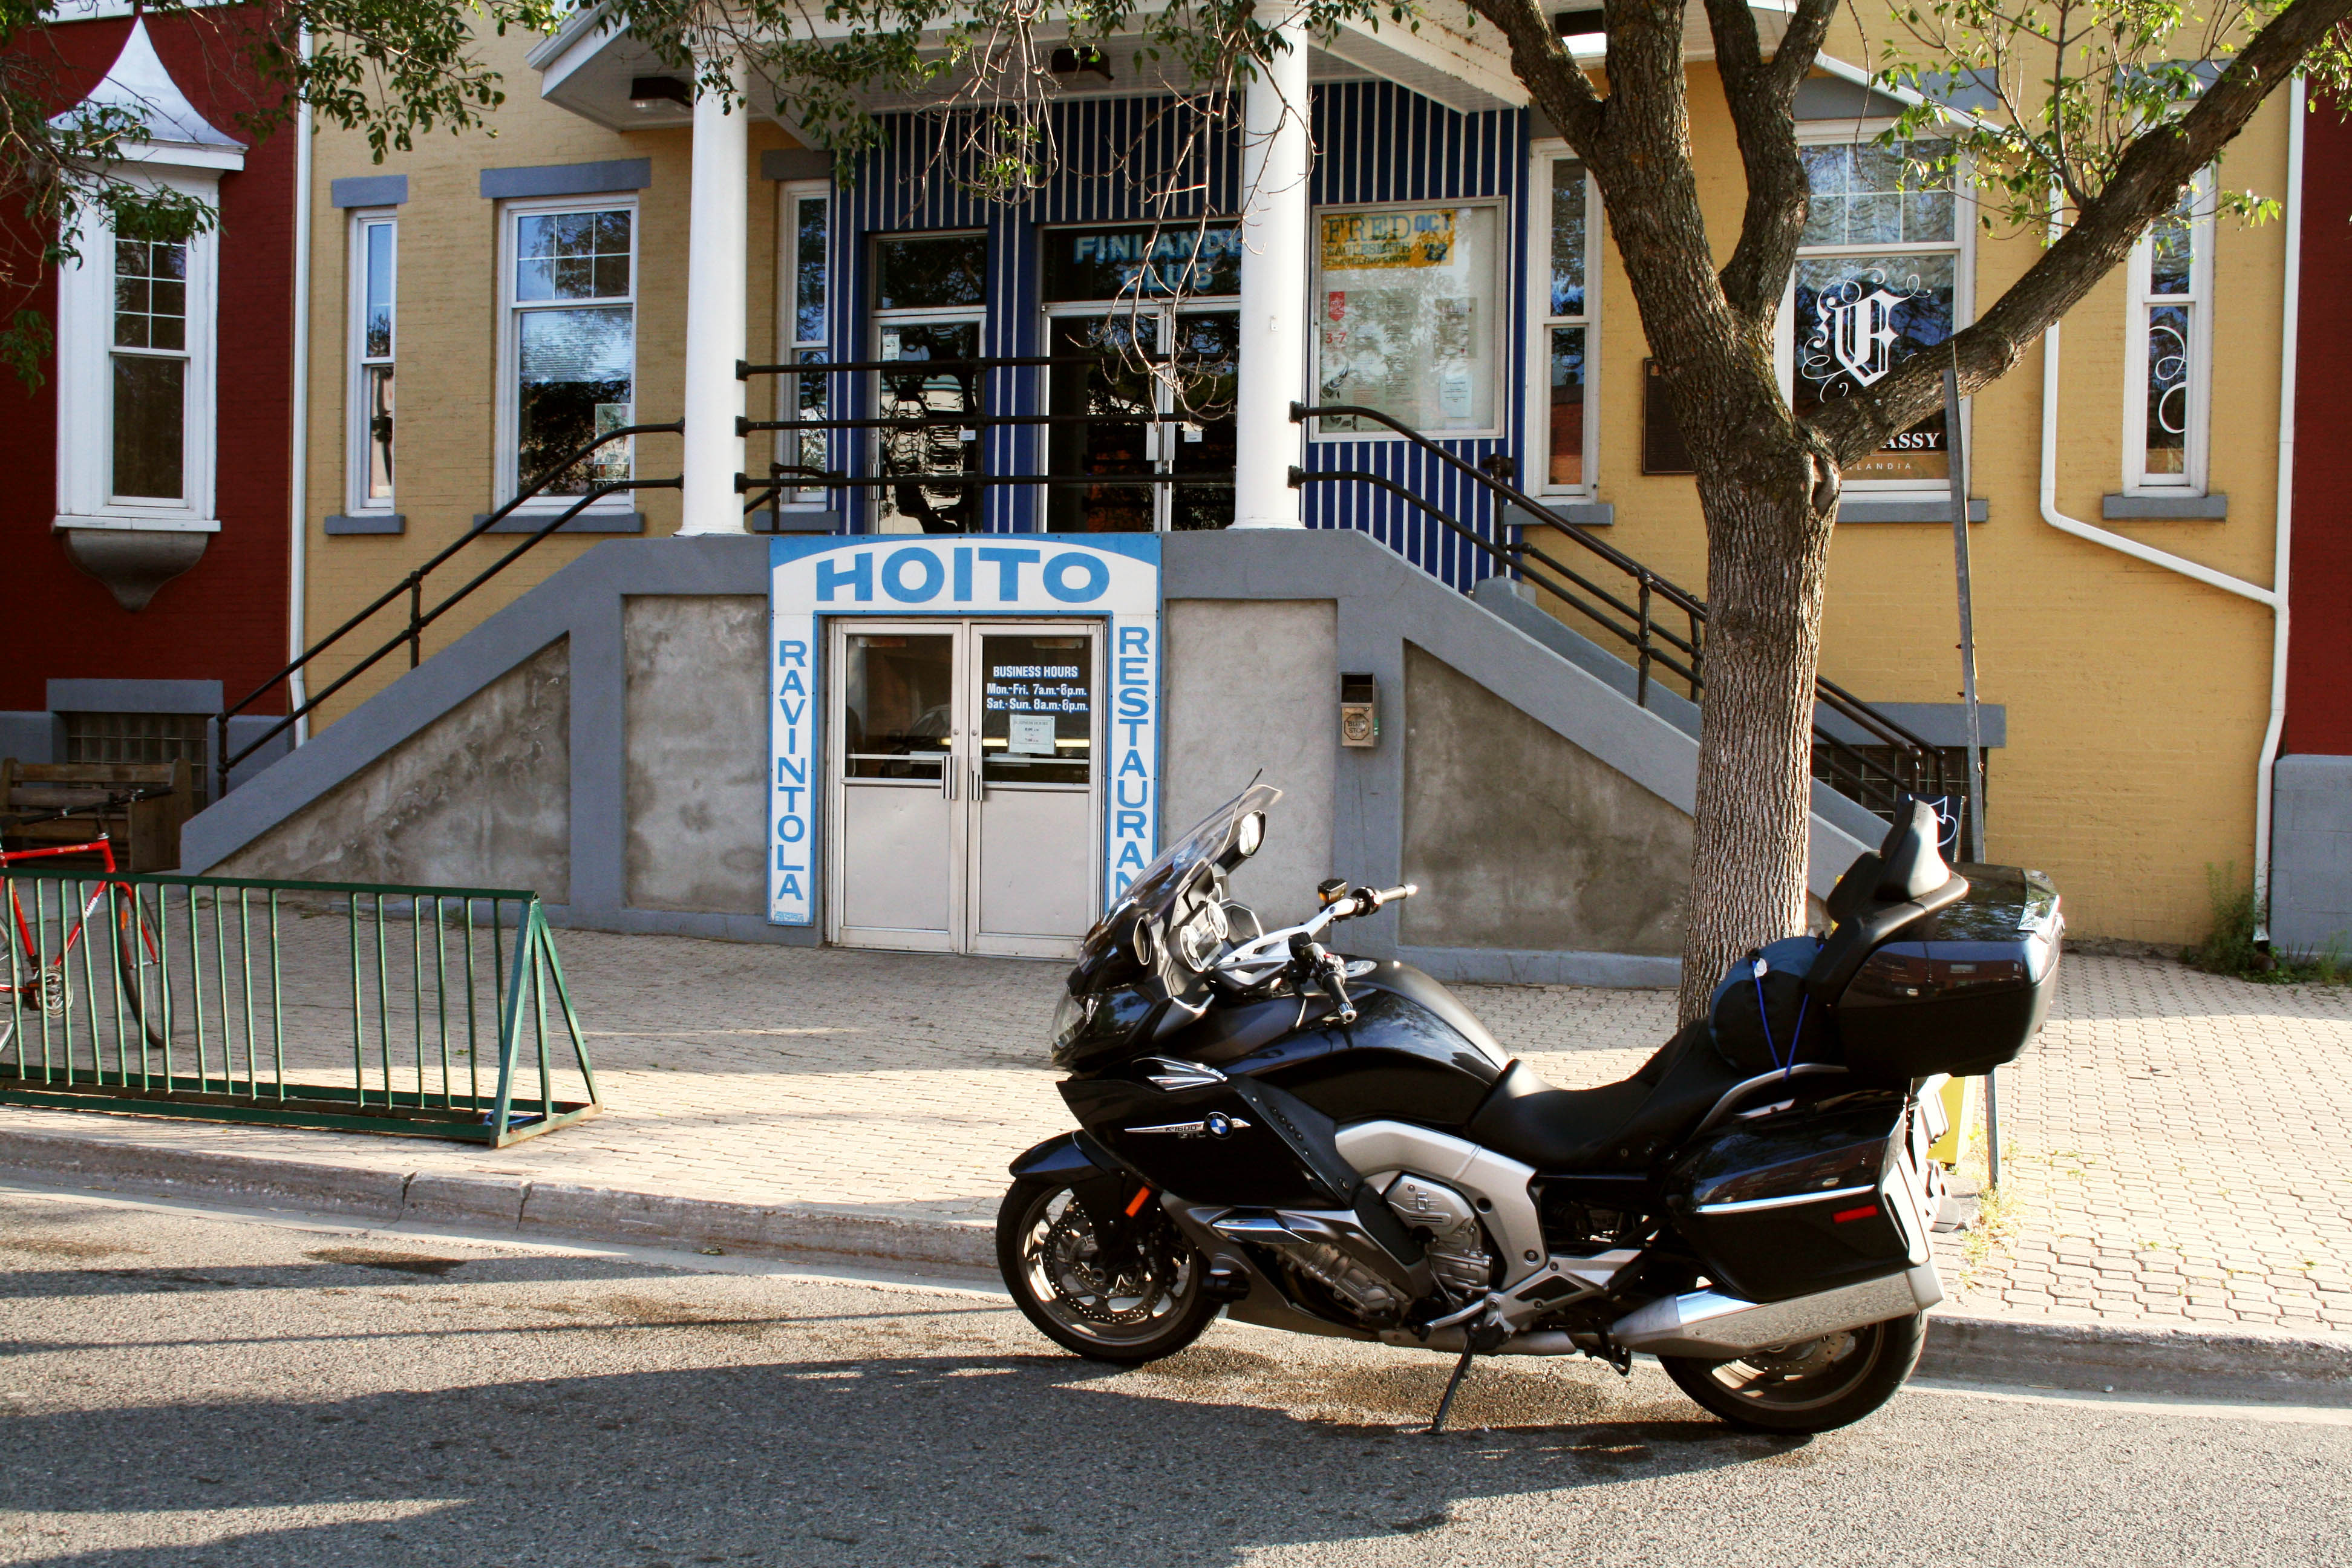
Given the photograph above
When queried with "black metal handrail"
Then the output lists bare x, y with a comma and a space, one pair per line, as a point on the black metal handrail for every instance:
1922, 764
769, 489
745, 370
412, 585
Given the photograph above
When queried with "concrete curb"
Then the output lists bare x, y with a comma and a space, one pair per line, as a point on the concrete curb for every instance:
2244, 1365
2235, 1365
544, 1210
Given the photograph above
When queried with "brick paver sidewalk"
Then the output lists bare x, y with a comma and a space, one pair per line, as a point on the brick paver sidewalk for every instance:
2176, 1140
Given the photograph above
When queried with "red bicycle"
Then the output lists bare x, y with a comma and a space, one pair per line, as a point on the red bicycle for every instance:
49, 986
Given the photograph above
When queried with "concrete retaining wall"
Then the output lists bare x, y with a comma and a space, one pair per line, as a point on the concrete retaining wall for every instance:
481, 798
695, 730
1252, 687
1522, 839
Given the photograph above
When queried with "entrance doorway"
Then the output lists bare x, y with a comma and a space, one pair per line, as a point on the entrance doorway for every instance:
965, 784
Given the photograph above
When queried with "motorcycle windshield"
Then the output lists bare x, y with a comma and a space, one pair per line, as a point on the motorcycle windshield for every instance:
1209, 839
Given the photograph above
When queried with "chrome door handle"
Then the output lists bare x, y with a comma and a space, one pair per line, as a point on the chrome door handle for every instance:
978, 783
948, 777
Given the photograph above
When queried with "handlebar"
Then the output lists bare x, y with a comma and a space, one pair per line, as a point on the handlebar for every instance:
1364, 901
1256, 961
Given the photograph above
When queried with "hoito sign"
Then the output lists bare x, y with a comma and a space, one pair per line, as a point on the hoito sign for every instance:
1114, 577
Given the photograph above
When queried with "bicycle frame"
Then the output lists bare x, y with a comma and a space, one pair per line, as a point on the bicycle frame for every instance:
103, 844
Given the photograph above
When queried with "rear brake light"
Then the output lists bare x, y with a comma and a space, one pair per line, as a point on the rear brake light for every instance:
1862, 1213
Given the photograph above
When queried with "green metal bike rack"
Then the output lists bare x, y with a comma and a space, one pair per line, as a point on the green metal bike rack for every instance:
172, 995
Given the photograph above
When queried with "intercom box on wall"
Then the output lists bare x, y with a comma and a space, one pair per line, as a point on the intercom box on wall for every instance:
1359, 710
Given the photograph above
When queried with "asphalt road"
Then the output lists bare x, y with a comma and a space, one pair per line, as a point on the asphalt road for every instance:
184, 1388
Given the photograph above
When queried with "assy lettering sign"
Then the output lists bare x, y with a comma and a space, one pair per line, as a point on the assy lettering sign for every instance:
1113, 577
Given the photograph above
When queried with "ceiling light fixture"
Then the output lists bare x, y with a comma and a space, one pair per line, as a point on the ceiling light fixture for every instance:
647, 94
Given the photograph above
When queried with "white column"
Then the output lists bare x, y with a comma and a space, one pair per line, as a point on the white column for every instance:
717, 261
1275, 155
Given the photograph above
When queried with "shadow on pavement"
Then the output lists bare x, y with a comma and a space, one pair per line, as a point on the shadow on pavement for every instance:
956, 1458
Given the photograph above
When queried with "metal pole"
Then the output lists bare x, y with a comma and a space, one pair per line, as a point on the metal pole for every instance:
1967, 611
1960, 471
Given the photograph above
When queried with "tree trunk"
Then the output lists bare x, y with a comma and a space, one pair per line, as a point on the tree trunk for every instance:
1770, 496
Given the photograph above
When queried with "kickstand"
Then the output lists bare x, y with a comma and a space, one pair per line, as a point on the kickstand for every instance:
1453, 1386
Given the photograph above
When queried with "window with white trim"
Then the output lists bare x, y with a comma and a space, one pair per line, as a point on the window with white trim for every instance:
136, 351
1408, 301
2171, 355
804, 326
150, 358
1881, 275
569, 357
1567, 280
374, 277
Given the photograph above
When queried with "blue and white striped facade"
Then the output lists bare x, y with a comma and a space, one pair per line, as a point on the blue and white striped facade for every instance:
1375, 142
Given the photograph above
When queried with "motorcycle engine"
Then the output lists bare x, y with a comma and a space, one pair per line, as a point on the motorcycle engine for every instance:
1370, 1297
1455, 1242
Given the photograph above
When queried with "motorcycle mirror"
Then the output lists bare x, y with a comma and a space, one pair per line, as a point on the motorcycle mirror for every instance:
1249, 834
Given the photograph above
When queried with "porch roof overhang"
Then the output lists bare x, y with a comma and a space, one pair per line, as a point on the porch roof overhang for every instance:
587, 66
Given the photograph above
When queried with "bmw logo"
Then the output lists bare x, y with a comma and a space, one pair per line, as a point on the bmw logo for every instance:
1219, 1125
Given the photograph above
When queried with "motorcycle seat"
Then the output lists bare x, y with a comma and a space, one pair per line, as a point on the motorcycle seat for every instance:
1617, 1127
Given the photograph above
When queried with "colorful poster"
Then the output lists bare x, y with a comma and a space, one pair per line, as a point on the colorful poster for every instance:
1361, 241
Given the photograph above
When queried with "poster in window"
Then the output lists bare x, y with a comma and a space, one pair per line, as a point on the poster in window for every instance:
1383, 239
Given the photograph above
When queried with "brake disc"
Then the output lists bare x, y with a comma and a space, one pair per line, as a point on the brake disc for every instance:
1805, 1356
1074, 1278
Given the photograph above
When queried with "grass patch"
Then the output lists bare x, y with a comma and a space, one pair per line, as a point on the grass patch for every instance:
1996, 1223
2230, 948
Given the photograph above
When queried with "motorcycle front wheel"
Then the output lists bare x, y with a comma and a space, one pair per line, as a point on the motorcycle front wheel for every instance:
1817, 1386
1151, 1306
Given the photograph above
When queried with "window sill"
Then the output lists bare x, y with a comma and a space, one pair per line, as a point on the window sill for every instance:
2150, 509
368, 523
1584, 513
1864, 509
796, 521
587, 523
141, 522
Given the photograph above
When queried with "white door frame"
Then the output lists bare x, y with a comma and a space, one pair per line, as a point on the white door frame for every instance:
837, 633
962, 784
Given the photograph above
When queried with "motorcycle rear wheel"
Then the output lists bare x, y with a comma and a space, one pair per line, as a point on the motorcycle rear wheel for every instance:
1816, 1387
1044, 1249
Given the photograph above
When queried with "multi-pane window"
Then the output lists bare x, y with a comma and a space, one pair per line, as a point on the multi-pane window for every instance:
374, 261
143, 739
572, 302
150, 356
1878, 280
2171, 285
1568, 339
807, 327
930, 295
1408, 300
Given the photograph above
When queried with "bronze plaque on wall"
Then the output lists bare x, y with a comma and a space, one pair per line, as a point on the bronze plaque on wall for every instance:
1663, 451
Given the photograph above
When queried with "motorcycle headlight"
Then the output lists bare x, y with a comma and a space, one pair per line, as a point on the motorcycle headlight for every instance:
1071, 1018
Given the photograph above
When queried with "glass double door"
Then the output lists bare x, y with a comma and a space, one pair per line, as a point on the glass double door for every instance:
1156, 399
965, 786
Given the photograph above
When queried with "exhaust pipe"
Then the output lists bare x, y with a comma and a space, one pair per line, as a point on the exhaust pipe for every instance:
1708, 1326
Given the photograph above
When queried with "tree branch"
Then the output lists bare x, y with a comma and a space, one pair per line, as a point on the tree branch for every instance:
1761, 98
2147, 183
1549, 73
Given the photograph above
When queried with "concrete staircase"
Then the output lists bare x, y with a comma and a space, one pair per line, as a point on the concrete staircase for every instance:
601, 741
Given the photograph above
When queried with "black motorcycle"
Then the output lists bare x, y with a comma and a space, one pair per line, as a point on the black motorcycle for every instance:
1334, 1146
